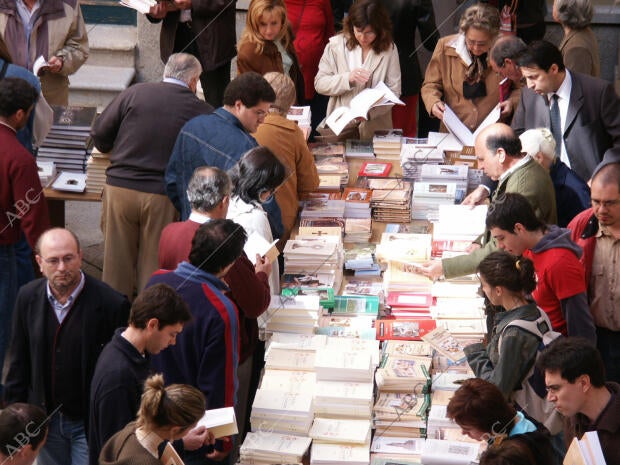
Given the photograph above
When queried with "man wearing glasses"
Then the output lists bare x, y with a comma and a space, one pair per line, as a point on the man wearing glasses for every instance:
597, 231
61, 323
220, 139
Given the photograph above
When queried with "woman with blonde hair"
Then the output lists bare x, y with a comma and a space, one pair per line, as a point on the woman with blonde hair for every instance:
266, 44
287, 142
166, 413
361, 57
459, 74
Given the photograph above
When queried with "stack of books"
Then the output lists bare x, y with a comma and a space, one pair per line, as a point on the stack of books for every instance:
387, 143
339, 399
47, 171
265, 448
329, 167
364, 287
339, 454
457, 227
416, 152
282, 412
325, 150
357, 229
428, 196
357, 202
358, 149
401, 373
68, 143
443, 173
322, 208
297, 314
397, 448
391, 200
452, 452
96, 166
361, 260
303, 117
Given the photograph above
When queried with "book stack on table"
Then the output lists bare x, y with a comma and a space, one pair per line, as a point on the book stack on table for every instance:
68, 143
391, 200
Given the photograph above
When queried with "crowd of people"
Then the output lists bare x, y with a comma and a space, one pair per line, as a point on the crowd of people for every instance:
181, 298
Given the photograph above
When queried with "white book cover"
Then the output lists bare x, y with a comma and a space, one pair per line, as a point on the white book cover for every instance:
340, 431
286, 359
221, 422
275, 444
462, 133
396, 446
329, 454
437, 452
70, 182
256, 244
338, 365
461, 220
289, 381
283, 403
343, 391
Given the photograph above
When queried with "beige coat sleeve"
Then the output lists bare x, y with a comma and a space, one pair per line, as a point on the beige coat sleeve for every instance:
330, 80
432, 87
71, 45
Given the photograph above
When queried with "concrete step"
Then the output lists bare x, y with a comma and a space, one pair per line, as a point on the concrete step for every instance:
96, 85
112, 45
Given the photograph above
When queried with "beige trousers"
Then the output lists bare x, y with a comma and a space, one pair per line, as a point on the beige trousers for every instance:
132, 222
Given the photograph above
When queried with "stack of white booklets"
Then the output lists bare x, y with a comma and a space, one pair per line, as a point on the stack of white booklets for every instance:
437, 452
397, 448
334, 166
339, 454
351, 366
289, 359
416, 152
428, 196
267, 448
96, 166
441, 173
282, 412
341, 431
291, 314
387, 143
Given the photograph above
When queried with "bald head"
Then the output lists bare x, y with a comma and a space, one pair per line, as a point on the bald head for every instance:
60, 259
497, 149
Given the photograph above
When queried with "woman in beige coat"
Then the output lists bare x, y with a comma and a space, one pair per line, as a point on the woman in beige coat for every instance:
459, 74
361, 57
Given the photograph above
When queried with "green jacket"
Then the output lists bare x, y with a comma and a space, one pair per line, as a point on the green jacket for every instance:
530, 180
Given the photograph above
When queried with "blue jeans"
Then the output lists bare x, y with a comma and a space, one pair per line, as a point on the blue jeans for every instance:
8, 293
66, 442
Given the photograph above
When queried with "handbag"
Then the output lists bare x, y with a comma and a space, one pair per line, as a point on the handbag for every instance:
508, 19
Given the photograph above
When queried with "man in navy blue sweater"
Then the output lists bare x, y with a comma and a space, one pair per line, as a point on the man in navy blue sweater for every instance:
207, 352
157, 316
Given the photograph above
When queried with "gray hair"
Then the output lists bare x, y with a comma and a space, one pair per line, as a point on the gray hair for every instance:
480, 16
207, 188
507, 47
182, 66
538, 140
576, 14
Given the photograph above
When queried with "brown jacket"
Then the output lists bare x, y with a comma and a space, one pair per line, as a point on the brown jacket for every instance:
580, 52
287, 142
124, 449
270, 60
444, 82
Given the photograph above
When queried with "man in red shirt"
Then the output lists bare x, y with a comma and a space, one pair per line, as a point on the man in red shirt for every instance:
561, 288
22, 203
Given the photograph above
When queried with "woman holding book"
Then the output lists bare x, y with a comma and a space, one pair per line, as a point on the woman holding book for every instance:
361, 57
287, 141
483, 414
165, 414
507, 281
255, 179
459, 75
266, 44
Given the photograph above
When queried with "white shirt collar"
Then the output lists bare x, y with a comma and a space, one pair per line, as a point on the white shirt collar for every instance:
175, 81
565, 88
514, 167
198, 217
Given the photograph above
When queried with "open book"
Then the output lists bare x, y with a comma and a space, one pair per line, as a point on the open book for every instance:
360, 106
464, 135
257, 244
585, 451
143, 6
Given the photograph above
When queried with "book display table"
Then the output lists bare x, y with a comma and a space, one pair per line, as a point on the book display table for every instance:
56, 202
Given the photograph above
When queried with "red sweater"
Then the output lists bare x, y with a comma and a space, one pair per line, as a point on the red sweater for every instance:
250, 290
22, 204
313, 24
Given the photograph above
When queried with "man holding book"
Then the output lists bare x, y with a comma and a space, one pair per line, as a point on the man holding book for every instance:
498, 150
207, 351
575, 380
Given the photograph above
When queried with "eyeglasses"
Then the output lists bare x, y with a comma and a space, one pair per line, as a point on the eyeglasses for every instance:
360, 32
55, 261
477, 43
605, 203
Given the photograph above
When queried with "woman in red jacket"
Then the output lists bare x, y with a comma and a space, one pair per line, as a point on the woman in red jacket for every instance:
312, 22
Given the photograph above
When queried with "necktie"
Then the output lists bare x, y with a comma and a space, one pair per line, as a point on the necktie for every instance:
556, 126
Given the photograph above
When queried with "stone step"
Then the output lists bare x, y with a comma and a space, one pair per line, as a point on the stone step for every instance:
112, 45
96, 85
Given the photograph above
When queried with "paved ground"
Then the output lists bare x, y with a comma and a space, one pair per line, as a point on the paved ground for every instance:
83, 218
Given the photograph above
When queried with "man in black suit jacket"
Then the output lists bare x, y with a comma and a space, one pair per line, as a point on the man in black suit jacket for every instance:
60, 325
589, 107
